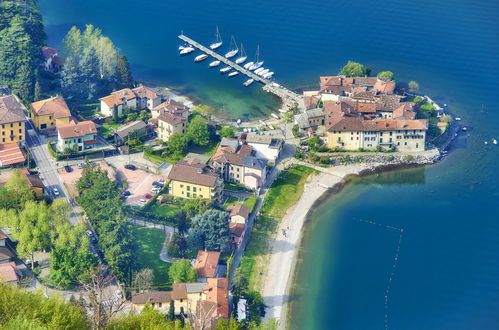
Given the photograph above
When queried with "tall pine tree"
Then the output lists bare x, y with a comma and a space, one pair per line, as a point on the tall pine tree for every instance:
124, 77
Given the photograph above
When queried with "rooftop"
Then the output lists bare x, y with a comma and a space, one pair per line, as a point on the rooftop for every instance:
11, 110
192, 171
123, 131
80, 129
55, 106
11, 154
171, 119
206, 263
239, 209
152, 297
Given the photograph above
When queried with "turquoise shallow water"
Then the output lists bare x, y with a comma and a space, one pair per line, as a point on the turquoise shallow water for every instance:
447, 274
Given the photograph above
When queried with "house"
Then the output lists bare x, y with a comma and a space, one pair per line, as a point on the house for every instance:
238, 213
217, 292
11, 267
50, 112
77, 136
9, 273
237, 163
52, 61
356, 132
135, 129
236, 233
191, 179
35, 183
12, 120
266, 146
169, 124
206, 263
159, 300
309, 119
171, 106
117, 101
11, 154
146, 98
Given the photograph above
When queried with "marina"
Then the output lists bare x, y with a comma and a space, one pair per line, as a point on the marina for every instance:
288, 97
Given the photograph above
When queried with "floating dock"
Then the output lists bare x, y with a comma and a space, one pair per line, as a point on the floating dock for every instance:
285, 94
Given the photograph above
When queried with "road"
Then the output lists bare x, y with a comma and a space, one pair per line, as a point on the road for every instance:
37, 145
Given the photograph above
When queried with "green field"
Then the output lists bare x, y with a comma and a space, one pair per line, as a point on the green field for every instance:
164, 210
150, 242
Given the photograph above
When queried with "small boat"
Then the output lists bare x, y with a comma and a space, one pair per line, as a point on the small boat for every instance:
464, 129
257, 71
494, 141
200, 58
247, 65
238, 121
458, 118
274, 115
248, 82
187, 50
256, 63
214, 64
256, 66
233, 74
218, 40
225, 69
234, 50
243, 56
183, 46
486, 142
268, 75
263, 72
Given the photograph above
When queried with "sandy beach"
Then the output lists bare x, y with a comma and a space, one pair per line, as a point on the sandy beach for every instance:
283, 248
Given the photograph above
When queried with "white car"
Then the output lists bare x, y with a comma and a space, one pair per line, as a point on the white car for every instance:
142, 201
56, 192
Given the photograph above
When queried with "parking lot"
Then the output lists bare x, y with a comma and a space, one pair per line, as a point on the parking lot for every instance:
139, 183
69, 178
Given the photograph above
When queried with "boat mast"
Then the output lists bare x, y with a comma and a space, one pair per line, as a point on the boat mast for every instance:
243, 53
218, 37
233, 41
257, 56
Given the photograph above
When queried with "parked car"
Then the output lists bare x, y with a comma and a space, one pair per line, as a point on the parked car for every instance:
79, 165
68, 168
126, 193
89, 233
148, 196
130, 167
56, 191
142, 201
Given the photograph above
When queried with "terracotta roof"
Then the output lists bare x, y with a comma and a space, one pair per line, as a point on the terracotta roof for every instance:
217, 291
366, 107
126, 93
206, 263
239, 209
6, 253
8, 272
226, 155
55, 106
236, 229
3, 235
11, 110
123, 131
359, 124
311, 102
73, 130
33, 180
192, 171
171, 106
152, 297
388, 102
405, 110
10, 154
178, 291
48, 52
385, 87
171, 119
143, 91
116, 98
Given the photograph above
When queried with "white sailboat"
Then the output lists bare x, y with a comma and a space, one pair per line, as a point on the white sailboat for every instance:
218, 40
243, 56
268, 75
233, 74
225, 69
187, 50
200, 58
247, 65
248, 82
263, 72
233, 52
214, 64
257, 71
257, 63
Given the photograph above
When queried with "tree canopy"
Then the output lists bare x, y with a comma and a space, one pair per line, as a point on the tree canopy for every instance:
182, 271
385, 75
212, 229
227, 132
354, 69
197, 131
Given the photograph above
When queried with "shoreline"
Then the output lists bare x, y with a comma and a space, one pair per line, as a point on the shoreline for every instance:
281, 272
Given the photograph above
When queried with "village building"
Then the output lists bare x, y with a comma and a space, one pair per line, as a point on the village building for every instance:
266, 146
310, 120
191, 179
12, 120
12, 269
77, 136
50, 113
35, 183
11, 154
169, 124
206, 263
52, 61
170, 106
133, 130
141, 97
239, 215
237, 163
146, 98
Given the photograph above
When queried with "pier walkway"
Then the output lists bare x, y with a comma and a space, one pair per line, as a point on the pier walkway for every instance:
285, 94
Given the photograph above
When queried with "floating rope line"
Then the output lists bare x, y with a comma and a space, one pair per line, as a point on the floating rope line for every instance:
394, 267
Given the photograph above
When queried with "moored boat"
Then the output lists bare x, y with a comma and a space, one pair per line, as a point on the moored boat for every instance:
243, 56
263, 72
225, 69
247, 65
200, 58
257, 71
256, 63
218, 40
234, 50
187, 50
248, 82
214, 64
233, 74
268, 75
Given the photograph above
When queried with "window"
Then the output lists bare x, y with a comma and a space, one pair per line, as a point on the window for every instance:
181, 186
194, 189
11, 125
188, 188
194, 195
20, 137
3, 139
405, 143
20, 124
380, 140
417, 145
3, 132
201, 196
188, 194
160, 305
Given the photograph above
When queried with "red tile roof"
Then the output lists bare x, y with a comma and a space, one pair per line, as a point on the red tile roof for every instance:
206, 263
80, 129
55, 106
217, 291
8, 272
193, 172
11, 154
359, 124
11, 110
240, 210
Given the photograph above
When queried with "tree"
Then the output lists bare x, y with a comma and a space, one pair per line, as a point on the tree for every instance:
71, 79
354, 69
182, 271
23, 84
171, 311
227, 132
67, 266
204, 109
38, 92
89, 68
386, 75
194, 206
213, 227
143, 279
149, 318
18, 189
124, 77
239, 284
197, 131
177, 144
413, 86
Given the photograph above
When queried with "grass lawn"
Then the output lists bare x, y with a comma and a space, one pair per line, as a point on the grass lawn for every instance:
107, 128
87, 109
231, 200
150, 242
208, 150
235, 187
250, 202
164, 210
284, 193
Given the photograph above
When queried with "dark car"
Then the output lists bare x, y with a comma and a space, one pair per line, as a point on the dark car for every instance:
126, 193
130, 167
68, 168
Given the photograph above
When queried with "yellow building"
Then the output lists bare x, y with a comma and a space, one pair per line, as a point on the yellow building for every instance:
169, 124
191, 179
12, 120
50, 112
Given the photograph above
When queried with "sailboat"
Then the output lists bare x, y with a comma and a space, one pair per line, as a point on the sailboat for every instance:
218, 40
200, 58
225, 69
214, 64
234, 50
186, 50
243, 56
268, 75
233, 74
248, 65
248, 82
257, 62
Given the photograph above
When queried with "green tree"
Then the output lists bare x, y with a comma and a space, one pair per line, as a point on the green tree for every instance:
413, 86
171, 311
72, 81
197, 131
194, 206
23, 84
143, 279
67, 266
182, 271
204, 109
38, 92
18, 189
354, 69
212, 227
227, 132
89, 68
177, 144
124, 78
385, 75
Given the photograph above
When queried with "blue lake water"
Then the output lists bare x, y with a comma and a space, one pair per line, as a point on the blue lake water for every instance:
447, 273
